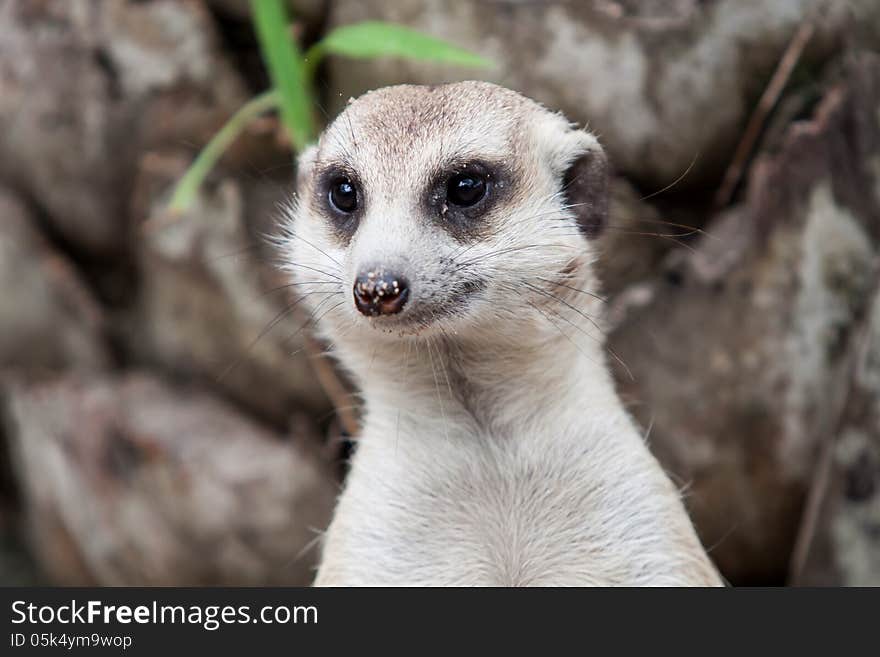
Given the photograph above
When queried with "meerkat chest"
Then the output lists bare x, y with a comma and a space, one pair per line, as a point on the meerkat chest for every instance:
494, 512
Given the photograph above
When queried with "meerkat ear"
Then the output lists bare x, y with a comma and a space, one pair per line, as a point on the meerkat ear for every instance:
585, 182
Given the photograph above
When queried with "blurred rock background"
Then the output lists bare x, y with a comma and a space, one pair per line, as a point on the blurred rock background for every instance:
162, 421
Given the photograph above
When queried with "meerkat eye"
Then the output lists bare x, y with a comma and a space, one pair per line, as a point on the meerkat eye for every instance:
343, 195
466, 189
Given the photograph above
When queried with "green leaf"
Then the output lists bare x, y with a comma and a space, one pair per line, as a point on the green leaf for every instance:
188, 186
378, 39
286, 69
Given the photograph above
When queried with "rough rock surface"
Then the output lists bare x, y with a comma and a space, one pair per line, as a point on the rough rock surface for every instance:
131, 482
740, 354
48, 318
212, 307
88, 85
842, 539
663, 83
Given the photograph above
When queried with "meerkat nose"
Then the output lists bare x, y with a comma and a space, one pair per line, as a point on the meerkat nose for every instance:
380, 292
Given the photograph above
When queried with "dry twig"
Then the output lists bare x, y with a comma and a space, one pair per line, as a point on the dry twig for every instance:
759, 116
332, 385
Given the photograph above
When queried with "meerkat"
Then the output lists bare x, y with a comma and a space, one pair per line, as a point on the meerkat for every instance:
444, 240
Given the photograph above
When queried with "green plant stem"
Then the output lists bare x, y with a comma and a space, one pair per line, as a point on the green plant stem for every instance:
188, 186
286, 69
312, 59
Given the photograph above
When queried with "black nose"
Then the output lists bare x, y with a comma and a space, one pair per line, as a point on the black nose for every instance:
380, 293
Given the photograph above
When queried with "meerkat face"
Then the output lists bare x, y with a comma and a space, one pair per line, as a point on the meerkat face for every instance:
445, 208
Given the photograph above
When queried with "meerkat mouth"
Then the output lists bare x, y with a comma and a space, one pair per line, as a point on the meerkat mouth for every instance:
423, 313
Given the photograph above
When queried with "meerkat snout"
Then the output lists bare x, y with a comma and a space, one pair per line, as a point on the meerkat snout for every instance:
380, 292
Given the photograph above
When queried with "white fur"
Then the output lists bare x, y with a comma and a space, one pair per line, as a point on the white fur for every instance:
494, 450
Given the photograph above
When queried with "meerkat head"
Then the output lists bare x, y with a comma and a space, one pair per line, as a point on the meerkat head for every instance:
448, 208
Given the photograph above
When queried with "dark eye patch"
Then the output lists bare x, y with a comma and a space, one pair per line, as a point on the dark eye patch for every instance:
462, 193
339, 196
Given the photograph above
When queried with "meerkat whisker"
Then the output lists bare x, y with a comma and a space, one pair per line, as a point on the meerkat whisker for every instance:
319, 250
580, 312
288, 286
263, 332
428, 345
311, 316
314, 269
598, 297
513, 249
610, 351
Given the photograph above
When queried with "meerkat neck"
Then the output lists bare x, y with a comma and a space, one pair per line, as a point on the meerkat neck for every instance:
523, 377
